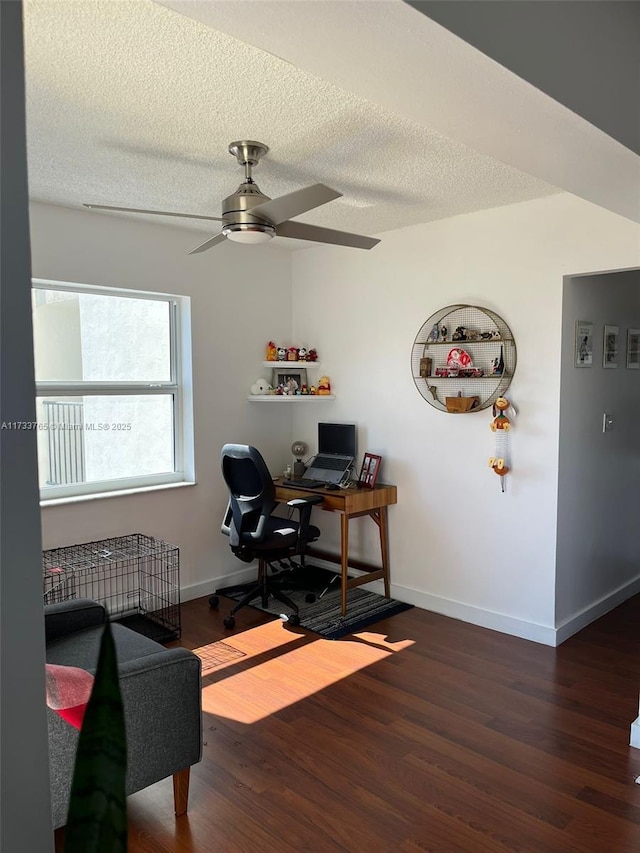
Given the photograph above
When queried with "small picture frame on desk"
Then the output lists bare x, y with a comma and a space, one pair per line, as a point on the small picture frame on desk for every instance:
370, 470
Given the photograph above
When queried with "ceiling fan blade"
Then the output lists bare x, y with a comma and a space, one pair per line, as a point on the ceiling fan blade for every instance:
302, 231
293, 204
156, 212
212, 241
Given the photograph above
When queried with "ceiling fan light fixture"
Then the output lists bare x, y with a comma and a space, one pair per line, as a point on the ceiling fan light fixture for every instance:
247, 232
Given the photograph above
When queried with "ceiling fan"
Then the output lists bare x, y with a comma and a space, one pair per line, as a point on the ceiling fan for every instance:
249, 216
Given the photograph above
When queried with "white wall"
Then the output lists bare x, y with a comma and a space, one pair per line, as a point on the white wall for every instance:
598, 557
240, 298
458, 545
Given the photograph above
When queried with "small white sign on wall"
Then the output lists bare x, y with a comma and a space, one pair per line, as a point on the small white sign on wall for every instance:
633, 349
584, 344
610, 347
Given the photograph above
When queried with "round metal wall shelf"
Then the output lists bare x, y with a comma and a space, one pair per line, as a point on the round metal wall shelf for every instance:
488, 341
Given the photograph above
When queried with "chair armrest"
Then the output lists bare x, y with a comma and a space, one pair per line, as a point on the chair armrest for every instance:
69, 617
304, 507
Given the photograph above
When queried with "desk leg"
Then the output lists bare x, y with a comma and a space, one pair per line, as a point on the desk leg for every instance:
344, 558
384, 548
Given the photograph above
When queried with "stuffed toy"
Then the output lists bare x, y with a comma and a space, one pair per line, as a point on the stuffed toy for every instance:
501, 426
324, 386
260, 386
500, 420
272, 351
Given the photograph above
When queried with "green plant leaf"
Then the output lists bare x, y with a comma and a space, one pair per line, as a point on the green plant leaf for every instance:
97, 821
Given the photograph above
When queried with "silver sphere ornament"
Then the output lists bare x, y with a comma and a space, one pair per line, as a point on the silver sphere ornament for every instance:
298, 448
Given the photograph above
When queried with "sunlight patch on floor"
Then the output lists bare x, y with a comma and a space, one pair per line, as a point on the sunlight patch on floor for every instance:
288, 674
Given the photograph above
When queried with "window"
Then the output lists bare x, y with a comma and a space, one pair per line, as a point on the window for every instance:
112, 406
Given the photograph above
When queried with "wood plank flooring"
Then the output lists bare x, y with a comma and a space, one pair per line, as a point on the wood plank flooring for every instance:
422, 734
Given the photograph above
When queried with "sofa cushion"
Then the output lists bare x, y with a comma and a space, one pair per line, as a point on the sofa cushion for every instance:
81, 649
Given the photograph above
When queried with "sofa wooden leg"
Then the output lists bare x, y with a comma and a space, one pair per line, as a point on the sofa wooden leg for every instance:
181, 791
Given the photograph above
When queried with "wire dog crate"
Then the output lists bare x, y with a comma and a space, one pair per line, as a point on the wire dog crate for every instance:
135, 577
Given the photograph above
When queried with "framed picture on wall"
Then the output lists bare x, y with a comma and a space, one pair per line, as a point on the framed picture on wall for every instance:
291, 378
584, 344
610, 347
633, 349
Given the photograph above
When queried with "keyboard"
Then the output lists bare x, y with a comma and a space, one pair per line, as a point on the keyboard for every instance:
329, 464
304, 484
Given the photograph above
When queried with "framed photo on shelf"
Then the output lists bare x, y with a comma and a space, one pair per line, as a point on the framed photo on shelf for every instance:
633, 349
584, 344
370, 470
610, 347
292, 377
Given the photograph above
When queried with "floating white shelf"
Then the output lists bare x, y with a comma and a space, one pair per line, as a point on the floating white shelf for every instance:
286, 364
288, 398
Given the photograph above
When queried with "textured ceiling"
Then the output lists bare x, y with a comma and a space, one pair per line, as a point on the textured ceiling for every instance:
132, 104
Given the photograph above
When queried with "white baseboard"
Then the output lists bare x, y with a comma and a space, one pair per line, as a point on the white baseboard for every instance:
476, 616
465, 612
198, 590
538, 633
594, 611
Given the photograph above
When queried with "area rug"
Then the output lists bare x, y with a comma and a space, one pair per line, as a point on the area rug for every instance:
324, 616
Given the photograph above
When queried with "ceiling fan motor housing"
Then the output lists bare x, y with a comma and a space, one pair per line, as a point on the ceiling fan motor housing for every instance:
240, 203
236, 212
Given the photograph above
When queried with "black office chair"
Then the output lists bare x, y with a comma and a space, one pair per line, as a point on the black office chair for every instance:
255, 533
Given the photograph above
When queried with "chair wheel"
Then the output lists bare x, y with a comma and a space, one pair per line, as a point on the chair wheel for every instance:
229, 622
309, 598
294, 619
214, 601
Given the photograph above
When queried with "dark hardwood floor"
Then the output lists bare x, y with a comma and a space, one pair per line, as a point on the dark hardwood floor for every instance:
422, 734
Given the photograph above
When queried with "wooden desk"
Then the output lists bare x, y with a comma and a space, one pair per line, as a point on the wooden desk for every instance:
352, 503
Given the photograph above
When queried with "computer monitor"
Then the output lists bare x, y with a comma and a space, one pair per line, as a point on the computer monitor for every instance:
337, 438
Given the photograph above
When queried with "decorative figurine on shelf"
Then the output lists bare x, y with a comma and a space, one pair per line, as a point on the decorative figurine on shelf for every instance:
433, 334
324, 386
498, 364
459, 358
443, 333
312, 355
292, 354
260, 386
291, 387
313, 390
282, 354
302, 354
304, 389
272, 351
460, 334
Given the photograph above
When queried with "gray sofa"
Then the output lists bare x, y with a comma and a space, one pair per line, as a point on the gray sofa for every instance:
161, 695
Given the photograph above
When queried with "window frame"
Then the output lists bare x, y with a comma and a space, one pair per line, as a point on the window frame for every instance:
178, 387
